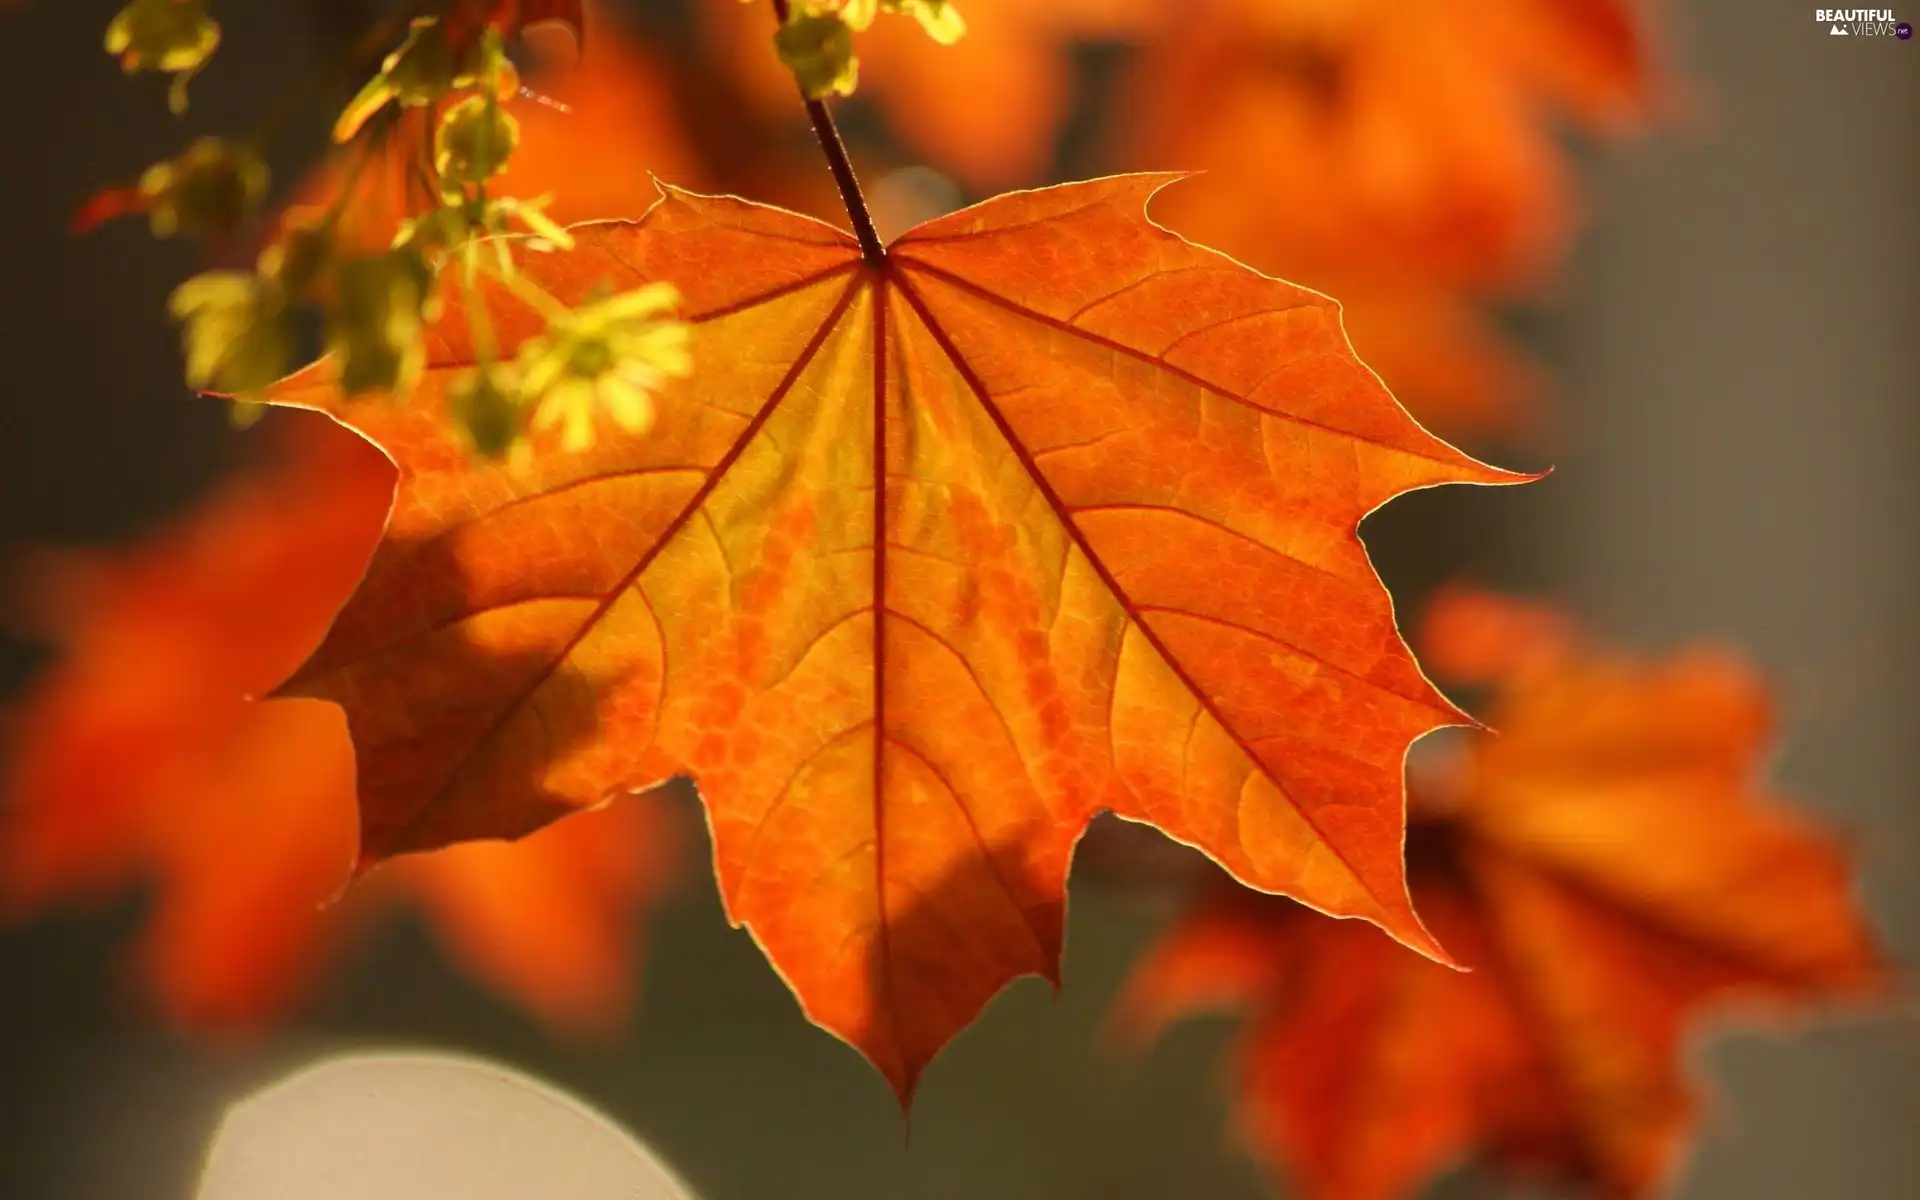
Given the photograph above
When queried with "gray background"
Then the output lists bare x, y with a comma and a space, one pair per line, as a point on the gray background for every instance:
1738, 347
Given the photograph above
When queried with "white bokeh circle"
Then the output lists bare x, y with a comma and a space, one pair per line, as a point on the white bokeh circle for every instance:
423, 1126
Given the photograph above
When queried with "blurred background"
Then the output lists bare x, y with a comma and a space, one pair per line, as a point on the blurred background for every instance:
1673, 252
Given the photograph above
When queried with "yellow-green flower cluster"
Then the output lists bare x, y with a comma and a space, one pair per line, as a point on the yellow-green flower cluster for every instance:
607, 357
425, 70
239, 328
816, 39
438, 232
473, 138
818, 48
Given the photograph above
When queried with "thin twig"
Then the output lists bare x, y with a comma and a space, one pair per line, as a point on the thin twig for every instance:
871, 251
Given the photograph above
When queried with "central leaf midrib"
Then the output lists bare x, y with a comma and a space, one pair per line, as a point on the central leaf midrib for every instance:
879, 584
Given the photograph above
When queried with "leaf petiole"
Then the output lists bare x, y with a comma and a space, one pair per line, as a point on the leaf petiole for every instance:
872, 252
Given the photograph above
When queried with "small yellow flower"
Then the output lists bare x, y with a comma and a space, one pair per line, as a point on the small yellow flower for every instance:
175, 36
608, 355
206, 191
236, 333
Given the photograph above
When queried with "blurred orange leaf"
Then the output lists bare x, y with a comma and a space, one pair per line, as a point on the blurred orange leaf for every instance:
592, 137
1611, 865
142, 754
1403, 157
1371, 134
551, 921
143, 757
926, 564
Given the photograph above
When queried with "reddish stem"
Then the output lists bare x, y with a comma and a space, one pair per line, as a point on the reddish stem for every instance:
871, 251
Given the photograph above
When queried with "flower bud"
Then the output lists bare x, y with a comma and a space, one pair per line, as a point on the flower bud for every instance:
818, 48
236, 334
300, 258
423, 71
375, 322
473, 142
206, 191
176, 36
486, 402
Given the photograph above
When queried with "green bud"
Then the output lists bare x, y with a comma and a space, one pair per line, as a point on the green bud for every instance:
236, 334
486, 402
300, 258
375, 323
818, 48
423, 71
176, 36
473, 142
206, 191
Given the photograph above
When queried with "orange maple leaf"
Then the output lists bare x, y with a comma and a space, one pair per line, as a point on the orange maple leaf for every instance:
1611, 866
1053, 512
142, 757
